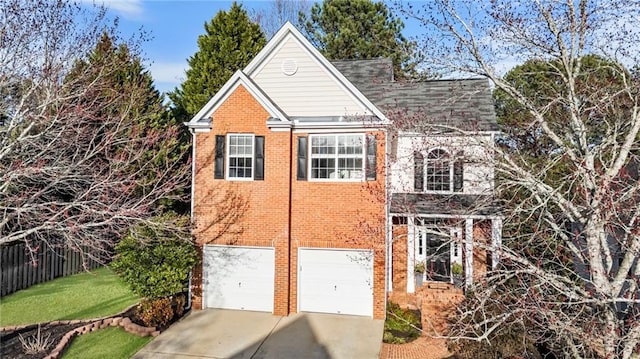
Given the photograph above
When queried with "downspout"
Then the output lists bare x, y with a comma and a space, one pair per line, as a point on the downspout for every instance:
388, 283
193, 169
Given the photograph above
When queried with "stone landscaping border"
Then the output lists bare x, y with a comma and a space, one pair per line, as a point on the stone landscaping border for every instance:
90, 325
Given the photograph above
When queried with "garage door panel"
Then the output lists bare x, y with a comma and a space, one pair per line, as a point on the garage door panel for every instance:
239, 278
336, 281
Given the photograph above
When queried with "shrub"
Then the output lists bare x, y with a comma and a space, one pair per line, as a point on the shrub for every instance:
155, 263
178, 304
155, 312
402, 325
35, 344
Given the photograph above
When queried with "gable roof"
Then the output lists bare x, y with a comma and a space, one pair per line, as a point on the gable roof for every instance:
464, 104
202, 119
288, 31
366, 74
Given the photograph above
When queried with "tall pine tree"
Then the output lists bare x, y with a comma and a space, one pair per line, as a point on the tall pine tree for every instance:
230, 41
126, 95
360, 29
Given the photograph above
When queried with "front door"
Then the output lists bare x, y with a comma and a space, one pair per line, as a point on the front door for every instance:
438, 249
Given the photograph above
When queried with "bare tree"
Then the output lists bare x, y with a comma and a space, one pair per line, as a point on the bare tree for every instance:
84, 150
570, 270
278, 13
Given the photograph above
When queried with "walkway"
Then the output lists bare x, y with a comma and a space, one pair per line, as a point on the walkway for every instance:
421, 348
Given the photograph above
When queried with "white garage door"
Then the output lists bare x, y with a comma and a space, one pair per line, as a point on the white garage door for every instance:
335, 281
238, 278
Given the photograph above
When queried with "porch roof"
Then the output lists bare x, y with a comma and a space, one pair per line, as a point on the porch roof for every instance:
444, 204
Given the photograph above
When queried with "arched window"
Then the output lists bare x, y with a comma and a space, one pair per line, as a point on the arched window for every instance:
439, 171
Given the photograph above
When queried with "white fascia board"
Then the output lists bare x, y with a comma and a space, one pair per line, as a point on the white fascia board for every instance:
288, 29
339, 126
202, 126
238, 78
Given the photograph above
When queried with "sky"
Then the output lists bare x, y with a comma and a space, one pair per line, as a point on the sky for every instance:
174, 27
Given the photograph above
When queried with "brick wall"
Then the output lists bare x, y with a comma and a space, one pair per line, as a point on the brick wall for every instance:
400, 253
341, 215
256, 213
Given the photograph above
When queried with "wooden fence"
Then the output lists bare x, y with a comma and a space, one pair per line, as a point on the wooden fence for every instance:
20, 271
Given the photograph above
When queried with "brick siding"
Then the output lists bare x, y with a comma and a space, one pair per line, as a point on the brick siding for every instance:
319, 214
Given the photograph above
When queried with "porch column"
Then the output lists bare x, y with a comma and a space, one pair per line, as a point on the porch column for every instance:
468, 252
496, 241
411, 255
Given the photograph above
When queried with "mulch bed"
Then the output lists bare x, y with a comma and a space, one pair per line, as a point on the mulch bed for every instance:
12, 347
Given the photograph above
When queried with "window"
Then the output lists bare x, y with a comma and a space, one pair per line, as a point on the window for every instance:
337, 157
240, 157
439, 171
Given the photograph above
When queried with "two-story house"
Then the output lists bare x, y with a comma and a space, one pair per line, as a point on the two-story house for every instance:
313, 192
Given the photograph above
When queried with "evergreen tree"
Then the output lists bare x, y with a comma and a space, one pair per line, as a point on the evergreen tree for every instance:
128, 96
360, 29
230, 41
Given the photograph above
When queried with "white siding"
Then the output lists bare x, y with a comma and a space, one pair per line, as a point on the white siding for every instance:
311, 91
478, 161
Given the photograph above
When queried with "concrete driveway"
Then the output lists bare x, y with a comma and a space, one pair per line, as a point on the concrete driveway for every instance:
217, 333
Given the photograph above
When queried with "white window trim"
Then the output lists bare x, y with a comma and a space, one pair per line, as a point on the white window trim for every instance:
426, 177
227, 156
310, 157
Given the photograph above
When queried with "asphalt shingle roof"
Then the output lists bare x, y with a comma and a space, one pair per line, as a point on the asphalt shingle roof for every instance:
448, 204
433, 105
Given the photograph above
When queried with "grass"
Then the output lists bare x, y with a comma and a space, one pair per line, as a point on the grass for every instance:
105, 343
400, 325
80, 296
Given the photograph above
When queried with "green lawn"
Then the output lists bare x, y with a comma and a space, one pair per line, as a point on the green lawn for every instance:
105, 343
80, 296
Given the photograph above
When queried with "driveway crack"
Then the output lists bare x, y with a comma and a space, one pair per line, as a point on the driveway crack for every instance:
265, 338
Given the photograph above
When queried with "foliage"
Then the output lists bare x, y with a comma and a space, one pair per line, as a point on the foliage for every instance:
361, 29
85, 146
112, 342
80, 296
178, 304
153, 262
510, 340
155, 312
456, 269
230, 41
419, 267
36, 344
567, 168
401, 325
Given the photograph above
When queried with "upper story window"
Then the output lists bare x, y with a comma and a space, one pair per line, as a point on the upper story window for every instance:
239, 156
438, 172
337, 157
